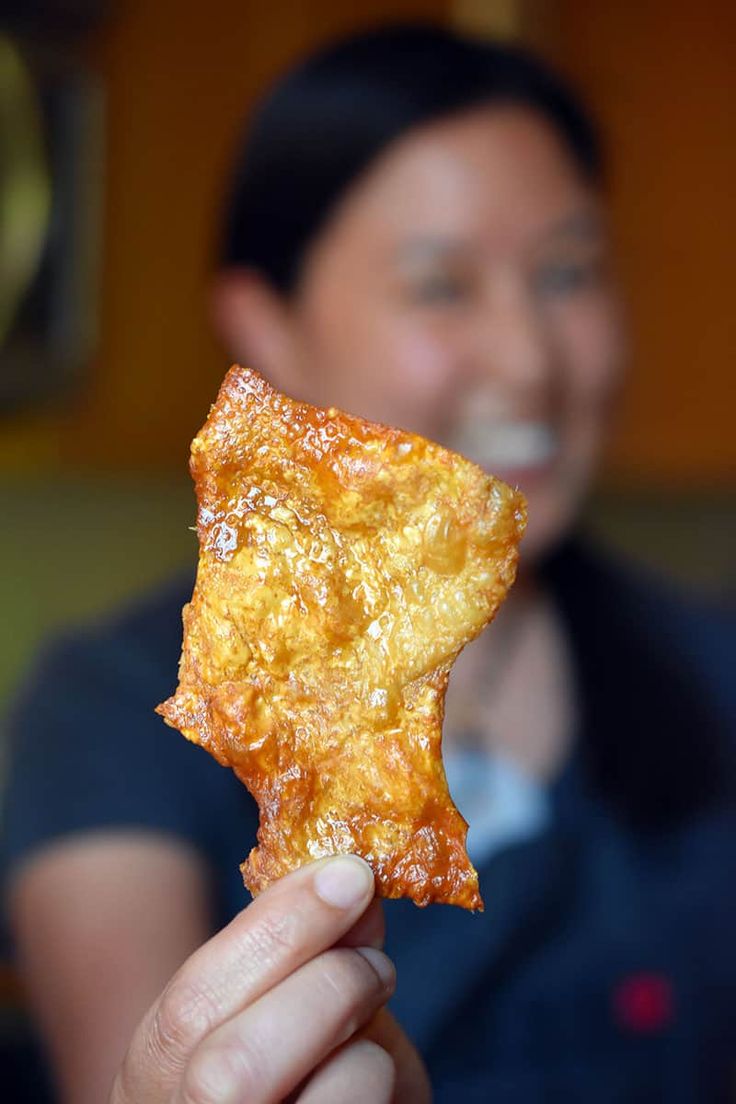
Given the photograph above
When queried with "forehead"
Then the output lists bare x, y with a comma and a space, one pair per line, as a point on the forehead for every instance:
502, 173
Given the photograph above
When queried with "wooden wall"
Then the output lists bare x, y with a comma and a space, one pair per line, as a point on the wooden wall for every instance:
179, 75
662, 76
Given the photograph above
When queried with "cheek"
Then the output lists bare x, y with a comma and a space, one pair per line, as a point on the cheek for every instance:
430, 365
407, 372
386, 367
592, 348
426, 366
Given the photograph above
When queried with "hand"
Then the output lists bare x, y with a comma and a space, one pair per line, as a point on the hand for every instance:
287, 1000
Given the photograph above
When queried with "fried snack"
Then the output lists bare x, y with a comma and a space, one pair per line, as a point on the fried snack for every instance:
343, 565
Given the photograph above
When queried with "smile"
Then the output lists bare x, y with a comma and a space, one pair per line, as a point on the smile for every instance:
501, 445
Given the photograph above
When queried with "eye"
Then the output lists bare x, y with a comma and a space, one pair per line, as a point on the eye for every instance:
566, 278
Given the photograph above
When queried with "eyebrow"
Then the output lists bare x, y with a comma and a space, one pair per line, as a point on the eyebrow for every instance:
581, 224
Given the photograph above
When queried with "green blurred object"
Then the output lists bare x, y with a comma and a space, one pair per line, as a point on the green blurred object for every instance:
25, 187
74, 549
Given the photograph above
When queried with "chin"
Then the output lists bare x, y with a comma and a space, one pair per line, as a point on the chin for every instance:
551, 518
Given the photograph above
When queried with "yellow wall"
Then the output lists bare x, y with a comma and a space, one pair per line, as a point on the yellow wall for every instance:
179, 75
662, 76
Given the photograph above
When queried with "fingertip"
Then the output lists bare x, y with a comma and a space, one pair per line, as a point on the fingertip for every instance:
344, 881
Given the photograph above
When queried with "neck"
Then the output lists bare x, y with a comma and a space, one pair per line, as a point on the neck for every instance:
511, 689
488, 655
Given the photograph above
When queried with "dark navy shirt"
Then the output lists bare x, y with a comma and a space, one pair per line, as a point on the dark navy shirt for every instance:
604, 967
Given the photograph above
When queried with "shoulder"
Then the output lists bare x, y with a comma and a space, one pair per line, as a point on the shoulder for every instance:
657, 696
146, 633
87, 751
692, 635
138, 640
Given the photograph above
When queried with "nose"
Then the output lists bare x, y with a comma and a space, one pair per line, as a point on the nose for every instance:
511, 342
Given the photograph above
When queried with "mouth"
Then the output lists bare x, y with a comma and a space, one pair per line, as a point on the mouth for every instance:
510, 450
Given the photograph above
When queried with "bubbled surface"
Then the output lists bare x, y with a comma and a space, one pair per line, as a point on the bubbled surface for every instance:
343, 565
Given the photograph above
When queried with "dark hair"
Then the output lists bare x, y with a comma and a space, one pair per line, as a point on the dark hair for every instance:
328, 118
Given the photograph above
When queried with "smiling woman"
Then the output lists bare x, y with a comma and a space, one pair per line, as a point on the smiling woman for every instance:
479, 246
417, 236
453, 251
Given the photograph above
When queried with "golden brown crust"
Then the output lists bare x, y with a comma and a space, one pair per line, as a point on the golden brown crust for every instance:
343, 565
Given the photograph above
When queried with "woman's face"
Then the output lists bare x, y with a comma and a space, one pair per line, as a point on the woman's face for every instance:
462, 290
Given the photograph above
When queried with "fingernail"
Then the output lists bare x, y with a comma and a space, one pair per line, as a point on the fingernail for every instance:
381, 963
344, 882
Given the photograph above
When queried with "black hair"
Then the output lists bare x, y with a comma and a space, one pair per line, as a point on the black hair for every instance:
329, 117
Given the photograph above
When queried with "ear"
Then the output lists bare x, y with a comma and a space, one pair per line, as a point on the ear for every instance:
254, 323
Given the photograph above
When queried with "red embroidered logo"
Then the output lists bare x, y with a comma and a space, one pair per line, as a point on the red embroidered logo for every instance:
644, 1003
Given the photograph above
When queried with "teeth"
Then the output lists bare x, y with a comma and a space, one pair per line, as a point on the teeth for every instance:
507, 444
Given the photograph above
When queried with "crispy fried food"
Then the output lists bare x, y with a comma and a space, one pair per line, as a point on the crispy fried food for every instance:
343, 565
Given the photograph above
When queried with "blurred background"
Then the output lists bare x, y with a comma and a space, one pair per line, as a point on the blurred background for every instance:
118, 120
117, 125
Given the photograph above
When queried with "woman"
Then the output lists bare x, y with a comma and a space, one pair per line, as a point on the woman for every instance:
416, 235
